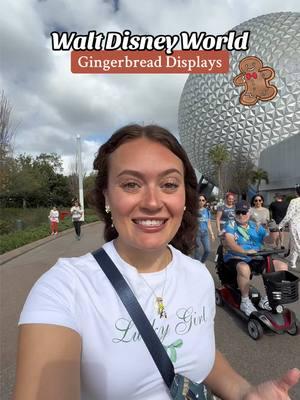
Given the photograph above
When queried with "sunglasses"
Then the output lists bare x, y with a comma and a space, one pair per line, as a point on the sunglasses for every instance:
241, 212
258, 201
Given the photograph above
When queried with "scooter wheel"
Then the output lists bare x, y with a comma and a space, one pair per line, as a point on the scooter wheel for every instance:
255, 329
219, 300
294, 330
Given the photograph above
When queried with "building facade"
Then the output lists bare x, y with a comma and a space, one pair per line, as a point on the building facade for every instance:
282, 163
210, 111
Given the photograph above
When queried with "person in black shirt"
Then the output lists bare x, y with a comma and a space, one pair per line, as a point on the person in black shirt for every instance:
278, 210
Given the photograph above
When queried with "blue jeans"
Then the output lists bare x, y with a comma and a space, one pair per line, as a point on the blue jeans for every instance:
202, 238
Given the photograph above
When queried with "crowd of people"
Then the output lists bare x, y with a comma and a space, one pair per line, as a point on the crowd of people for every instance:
279, 217
77, 340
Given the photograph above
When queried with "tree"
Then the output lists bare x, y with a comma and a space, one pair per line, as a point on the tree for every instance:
258, 176
28, 183
37, 182
239, 174
89, 184
219, 156
73, 184
7, 132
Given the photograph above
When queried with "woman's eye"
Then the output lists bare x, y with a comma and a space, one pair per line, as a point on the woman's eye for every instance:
170, 185
130, 185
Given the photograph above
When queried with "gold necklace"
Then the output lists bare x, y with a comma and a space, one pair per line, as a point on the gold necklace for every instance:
159, 300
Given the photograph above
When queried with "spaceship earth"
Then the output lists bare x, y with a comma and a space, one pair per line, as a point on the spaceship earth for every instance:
210, 112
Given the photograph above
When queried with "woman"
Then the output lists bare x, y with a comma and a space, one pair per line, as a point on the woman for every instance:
293, 219
76, 339
258, 213
76, 214
278, 209
54, 220
204, 228
225, 212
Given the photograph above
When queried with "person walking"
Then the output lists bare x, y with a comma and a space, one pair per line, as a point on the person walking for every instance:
293, 219
76, 214
258, 213
204, 229
278, 209
225, 212
54, 220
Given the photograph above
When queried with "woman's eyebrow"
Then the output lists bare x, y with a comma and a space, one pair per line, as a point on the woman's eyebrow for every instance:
139, 175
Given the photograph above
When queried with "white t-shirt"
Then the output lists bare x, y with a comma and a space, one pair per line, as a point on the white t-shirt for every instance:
115, 362
54, 215
76, 213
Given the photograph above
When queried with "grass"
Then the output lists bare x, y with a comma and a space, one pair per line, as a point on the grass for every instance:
34, 226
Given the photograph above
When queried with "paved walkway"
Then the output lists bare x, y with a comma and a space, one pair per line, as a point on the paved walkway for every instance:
22, 267
19, 270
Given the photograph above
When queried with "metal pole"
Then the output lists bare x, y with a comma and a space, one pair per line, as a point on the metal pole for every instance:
79, 170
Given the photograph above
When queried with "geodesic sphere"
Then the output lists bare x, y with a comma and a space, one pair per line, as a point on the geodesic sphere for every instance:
210, 112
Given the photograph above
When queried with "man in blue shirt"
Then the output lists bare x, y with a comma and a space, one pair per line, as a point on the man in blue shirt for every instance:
241, 238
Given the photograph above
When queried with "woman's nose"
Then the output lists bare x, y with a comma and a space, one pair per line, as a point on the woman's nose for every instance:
151, 198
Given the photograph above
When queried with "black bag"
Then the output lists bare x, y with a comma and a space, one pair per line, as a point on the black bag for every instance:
181, 388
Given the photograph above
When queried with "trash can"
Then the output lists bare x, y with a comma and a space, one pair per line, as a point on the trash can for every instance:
19, 225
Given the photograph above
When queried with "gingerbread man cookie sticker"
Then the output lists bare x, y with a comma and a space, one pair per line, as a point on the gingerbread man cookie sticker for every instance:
256, 80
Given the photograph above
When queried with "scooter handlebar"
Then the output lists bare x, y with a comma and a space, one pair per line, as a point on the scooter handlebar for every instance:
266, 252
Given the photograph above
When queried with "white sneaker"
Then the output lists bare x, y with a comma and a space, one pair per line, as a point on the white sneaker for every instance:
293, 266
247, 307
264, 303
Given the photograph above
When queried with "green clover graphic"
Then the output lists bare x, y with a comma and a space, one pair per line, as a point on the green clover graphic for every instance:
171, 349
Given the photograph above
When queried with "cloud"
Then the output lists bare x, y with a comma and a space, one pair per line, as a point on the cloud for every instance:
52, 105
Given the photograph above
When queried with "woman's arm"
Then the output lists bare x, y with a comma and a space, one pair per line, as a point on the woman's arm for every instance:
225, 382
229, 385
210, 229
48, 363
218, 219
289, 214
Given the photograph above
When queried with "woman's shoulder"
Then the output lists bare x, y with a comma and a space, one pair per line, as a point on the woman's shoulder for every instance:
70, 268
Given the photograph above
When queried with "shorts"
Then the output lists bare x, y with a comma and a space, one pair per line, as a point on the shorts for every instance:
273, 227
256, 266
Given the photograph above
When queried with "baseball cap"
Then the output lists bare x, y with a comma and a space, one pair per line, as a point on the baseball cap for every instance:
242, 205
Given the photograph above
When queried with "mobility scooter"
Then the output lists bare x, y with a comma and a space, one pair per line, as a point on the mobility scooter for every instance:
281, 288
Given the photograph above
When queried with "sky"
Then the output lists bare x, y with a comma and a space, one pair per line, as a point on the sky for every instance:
51, 106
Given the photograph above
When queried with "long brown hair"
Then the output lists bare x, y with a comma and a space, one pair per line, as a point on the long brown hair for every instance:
185, 236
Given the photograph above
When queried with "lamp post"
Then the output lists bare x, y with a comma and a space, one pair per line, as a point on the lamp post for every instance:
79, 172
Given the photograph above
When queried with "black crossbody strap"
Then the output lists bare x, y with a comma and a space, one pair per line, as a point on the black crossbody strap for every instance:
138, 316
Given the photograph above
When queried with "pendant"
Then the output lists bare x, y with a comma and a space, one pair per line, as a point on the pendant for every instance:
160, 307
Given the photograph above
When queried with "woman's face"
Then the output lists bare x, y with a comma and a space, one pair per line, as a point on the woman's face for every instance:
230, 200
202, 201
146, 194
258, 202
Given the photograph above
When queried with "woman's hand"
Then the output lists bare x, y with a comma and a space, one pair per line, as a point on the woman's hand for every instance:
276, 389
251, 251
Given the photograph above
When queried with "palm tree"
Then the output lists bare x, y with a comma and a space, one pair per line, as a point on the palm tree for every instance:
219, 156
258, 176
